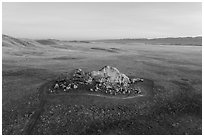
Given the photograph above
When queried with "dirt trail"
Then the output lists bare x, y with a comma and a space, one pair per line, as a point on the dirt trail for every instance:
44, 98
35, 116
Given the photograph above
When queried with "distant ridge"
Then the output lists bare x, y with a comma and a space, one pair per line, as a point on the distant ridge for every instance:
190, 41
194, 41
46, 42
164, 38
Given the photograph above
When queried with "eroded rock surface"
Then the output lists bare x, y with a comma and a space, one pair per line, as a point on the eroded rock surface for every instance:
110, 75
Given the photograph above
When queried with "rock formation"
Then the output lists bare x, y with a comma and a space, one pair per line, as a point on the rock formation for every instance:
111, 75
107, 80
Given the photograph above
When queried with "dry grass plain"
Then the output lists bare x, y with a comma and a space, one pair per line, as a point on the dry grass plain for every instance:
176, 70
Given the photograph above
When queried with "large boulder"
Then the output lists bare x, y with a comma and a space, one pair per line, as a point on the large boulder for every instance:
111, 75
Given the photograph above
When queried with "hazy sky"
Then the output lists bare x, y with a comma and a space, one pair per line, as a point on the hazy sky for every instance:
101, 20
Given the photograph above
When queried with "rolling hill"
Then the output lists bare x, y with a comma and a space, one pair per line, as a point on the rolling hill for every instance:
8, 41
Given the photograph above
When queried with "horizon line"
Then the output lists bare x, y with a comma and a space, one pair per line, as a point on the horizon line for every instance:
104, 38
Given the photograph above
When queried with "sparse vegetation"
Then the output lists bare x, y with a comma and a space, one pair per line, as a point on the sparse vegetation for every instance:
175, 106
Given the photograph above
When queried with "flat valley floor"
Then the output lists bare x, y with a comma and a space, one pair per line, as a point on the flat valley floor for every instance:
175, 107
